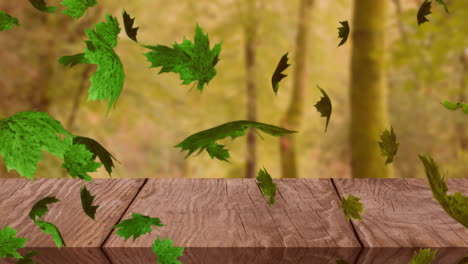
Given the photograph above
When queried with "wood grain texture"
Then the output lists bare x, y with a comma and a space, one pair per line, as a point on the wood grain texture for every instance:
232, 213
17, 196
64, 255
397, 255
402, 213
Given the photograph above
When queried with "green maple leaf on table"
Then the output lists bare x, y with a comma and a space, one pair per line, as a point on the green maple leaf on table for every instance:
136, 226
456, 205
27, 258
454, 106
98, 151
87, 202
77, 8
165, 252
192, 61
278, 75
266, 184
7, 21
42, 6
423, 11
51, 229
107, 81
128, 24
9, 243
388, 145
343, 32
352, 207
324, 106
423, 256
39, 209
206, 139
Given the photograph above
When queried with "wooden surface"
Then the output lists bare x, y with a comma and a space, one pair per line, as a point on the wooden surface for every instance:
229, 220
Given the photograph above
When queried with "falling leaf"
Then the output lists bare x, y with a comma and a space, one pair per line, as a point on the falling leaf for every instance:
42, 6
388, 145
343, 32
441, 2
324, 106
7, 21
87, 201
454, 106
424, 10
278, 75
73, 60
9, 243
78, 162
265, 182
128, 24
98, 150
51, 229
39, 209
77, 8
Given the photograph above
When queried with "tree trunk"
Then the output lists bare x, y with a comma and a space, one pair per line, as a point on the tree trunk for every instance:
461, 127
250, 27
368, 91
293, 116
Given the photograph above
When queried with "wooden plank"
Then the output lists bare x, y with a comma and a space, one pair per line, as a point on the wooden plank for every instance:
17, 196
212, 215
401, 213
66, 255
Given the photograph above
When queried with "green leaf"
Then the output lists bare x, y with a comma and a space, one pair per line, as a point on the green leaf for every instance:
9, 243
165, 252
324, 106
454, 106
423, 256
343, 32
51, 229
456, 205
278, 75
39, 209
108, 80
441, 2
76, 8
73, 60
207, 138
41, 6
192, 61
27, 258
24, 135
388, 145
352, 207
87, 201
79, 161
98, 150
424, 10
128, 24
136, 226
266, 184
7, 21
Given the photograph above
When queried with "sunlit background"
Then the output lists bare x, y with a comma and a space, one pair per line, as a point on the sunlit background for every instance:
424, 66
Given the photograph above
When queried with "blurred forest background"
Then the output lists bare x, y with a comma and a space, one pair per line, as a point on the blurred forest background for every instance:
417, 68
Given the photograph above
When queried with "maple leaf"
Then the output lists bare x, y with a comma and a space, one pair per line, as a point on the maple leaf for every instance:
78, 161
388, 145
206, 139
23, 136
266, 184
456, 205
278, 75
27, 258
343, 32
77, 8
192, 61
423, 256
9, 243
7, 21
424, 10
39, 209
51, 229
42, 6
352, 207
128, 24
73, 60
441, 2
324, 106
87, 201
136, 226
165, 252
454, 106
98, 150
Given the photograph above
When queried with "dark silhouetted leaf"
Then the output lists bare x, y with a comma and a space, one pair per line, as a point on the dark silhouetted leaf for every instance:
41, 6
87, 201
128, 24
98, 150
278, 75
324, 106
424, 10
343, 32
39, 209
